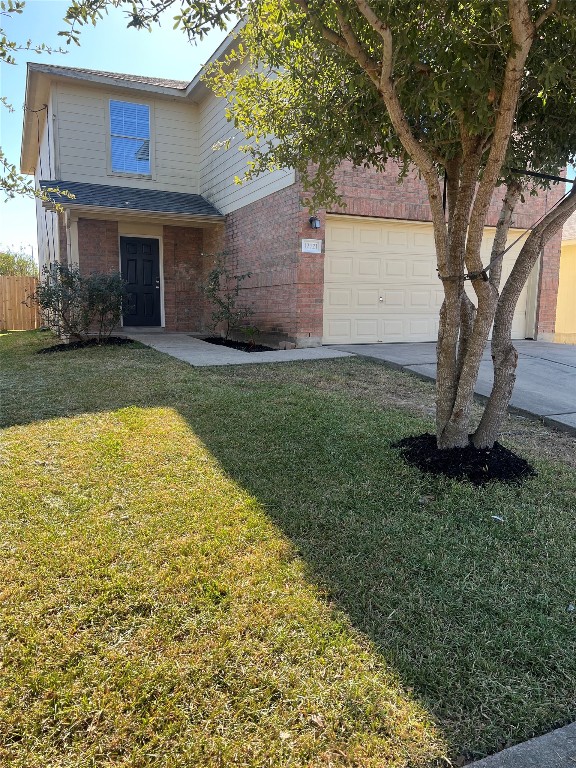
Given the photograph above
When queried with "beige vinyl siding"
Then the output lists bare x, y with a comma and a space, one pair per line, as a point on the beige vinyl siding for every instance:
46, 221
219, 167
83, 139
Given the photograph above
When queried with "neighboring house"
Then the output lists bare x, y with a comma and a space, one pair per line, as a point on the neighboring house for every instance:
565, 330
156, 199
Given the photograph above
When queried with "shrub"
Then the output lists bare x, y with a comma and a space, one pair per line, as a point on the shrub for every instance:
74, 304
104, 297
222, 288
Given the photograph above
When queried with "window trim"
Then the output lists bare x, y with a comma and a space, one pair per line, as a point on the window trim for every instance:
130, 174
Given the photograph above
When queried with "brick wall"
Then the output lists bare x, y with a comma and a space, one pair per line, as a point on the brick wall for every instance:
183, 275
548, 289
263, 238
98, 249
368, 193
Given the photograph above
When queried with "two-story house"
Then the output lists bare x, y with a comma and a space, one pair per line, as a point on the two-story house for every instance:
156, 199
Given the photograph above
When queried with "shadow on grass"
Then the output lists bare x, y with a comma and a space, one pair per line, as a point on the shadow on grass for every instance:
469, 610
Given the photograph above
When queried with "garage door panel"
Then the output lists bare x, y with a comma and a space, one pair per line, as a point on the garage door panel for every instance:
381, 282
339, 299
398, 237
340, 267
424, 240
420, 299
423, 269
392, 329
393, 298
340, 235
339, 329
369, 267
370, 236
366, 328
367, 297
395, 268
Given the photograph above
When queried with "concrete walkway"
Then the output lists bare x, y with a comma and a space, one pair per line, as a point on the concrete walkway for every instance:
545, 377
554, 750
199, 353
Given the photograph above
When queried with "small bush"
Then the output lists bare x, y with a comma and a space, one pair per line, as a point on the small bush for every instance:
74, 304
222, 288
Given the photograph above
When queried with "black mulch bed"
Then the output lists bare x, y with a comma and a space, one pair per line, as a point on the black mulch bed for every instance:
243, 346
111, 341
478, 465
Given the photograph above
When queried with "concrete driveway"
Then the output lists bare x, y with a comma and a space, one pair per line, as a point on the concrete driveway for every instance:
545, 377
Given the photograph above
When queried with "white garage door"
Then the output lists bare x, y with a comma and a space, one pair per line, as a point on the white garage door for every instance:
381, 284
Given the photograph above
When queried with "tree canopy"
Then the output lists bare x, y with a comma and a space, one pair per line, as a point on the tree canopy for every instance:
447, 64
17, 263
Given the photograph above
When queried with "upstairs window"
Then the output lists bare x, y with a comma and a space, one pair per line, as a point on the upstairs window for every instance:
130, 137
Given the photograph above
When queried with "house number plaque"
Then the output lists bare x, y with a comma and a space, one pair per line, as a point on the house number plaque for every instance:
311, 246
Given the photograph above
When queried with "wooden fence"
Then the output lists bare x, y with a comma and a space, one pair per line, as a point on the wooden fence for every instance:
14, 314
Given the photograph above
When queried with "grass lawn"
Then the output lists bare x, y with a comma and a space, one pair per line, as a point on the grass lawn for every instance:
231, 567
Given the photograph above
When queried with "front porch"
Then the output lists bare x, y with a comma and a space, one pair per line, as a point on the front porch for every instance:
161, 242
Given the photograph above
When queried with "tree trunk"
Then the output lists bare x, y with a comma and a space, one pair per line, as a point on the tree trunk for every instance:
447, 368
457, 429
504, 354
474, 330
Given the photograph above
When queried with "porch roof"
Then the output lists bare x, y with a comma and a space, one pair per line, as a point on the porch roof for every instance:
102, 197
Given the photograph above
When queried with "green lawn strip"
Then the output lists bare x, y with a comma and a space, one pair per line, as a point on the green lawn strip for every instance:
219, 567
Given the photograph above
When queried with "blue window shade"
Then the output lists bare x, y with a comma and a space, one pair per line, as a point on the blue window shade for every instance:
130, 137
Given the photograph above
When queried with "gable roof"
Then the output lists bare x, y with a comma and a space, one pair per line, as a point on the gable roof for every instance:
82, 73
102, 196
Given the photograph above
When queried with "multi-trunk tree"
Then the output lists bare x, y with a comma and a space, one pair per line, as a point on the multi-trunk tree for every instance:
462, 90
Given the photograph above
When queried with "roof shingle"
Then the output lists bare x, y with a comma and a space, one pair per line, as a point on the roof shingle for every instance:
147, 80
130, 199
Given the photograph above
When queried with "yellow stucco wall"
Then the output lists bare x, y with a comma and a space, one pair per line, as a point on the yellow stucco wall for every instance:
566, 307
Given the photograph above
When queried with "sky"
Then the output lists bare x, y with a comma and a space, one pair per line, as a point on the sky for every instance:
109, 46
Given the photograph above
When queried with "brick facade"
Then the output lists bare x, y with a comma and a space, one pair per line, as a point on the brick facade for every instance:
98, 249
183, 275
366, 192
183, 264
263, 238
286, 286
548, 283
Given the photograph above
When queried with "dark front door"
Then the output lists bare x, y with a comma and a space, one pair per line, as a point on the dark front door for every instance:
140, 259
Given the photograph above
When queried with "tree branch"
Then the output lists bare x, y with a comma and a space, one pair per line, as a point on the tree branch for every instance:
522, 37
546, 14
356, 51
326, 32
418, 153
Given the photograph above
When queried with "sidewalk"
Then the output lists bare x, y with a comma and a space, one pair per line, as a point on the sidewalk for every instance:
556, 749
199, 353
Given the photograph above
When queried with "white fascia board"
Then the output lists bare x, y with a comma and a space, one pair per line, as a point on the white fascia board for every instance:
197, 88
